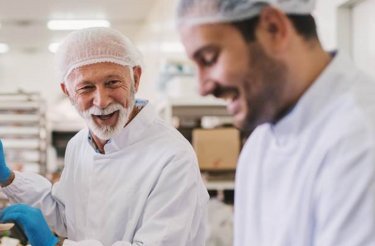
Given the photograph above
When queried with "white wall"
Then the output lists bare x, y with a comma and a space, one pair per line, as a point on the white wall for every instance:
29, 72
364, 36
326, 17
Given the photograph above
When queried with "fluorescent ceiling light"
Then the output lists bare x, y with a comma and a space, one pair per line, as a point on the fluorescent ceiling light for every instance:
4, 48
172, 47
76, 24
52, 47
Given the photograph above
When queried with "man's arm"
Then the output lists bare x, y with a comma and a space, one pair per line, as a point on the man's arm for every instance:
32, 224
34, 190
176, 207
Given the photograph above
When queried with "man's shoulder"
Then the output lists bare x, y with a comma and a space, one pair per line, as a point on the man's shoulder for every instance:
169, 135
79, 137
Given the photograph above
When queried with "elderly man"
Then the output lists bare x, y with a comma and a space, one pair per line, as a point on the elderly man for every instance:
306, 173
129, 179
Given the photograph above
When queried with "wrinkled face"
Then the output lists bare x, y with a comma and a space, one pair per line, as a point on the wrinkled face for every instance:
239, 72
103, 94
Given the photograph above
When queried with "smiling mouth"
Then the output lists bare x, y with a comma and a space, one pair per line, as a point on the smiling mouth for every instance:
105, 117
226, 93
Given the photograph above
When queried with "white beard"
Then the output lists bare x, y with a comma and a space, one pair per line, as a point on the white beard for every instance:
107, 132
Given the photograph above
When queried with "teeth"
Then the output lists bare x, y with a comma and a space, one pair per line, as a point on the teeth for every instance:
228, 99
107, 114
104, 116
99, 115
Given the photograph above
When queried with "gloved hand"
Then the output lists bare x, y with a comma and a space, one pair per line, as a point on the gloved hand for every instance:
31, 222
5, 172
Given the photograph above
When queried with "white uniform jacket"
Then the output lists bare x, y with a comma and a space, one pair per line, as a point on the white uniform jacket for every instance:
309, 179
145, 190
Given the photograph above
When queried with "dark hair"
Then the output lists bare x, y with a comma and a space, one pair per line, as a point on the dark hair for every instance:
304, 25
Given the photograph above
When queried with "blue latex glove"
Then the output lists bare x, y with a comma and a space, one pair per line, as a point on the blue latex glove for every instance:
31, 222
4, 170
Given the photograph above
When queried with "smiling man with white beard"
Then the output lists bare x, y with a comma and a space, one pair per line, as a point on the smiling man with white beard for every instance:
129, 178
95, 114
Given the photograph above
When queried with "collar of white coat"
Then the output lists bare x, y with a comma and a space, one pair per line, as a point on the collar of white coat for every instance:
131, 132
330, 83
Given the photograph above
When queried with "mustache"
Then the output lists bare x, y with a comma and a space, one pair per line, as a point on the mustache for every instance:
224, 92
108, 110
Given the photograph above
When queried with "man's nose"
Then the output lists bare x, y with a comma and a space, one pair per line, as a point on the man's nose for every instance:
102, 98
206, 85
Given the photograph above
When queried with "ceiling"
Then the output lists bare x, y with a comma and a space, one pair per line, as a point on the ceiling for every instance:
24, 22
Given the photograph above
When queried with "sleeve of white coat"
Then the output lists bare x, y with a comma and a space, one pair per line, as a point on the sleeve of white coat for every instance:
176, 206
345, 194
37, 191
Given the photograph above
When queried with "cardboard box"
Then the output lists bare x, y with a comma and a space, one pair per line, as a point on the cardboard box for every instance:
217, 149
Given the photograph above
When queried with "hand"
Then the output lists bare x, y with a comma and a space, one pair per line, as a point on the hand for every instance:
31, 222
5, 172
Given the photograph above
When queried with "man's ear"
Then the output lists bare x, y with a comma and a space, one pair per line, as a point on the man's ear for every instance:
137, 72
64, 89
274, 30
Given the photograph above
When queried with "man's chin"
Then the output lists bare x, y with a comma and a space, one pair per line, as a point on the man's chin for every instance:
103, 135
239, 125
104, 127
106, 131
103, 132
245, 124
239, 121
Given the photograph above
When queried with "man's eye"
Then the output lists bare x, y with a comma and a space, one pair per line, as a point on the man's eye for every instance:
113, 83
86, 88
208, 59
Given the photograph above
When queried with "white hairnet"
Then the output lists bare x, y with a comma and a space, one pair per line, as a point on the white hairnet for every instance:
213, 11
94, 45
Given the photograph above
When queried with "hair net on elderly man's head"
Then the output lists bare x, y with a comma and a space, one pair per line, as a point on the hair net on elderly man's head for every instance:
95, 45
192, 12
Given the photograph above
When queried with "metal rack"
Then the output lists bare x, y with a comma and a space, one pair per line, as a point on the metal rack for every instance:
23, 130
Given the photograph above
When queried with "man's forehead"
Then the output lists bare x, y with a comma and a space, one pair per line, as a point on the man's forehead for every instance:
98, 70
195, 37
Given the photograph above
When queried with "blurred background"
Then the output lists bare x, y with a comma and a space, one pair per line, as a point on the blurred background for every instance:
36, 120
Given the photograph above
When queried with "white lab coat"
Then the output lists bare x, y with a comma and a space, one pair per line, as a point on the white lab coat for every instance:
309, 179
145, 190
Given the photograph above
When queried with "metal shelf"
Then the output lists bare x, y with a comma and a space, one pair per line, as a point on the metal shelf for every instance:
192, 108
220, 185
23, 130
